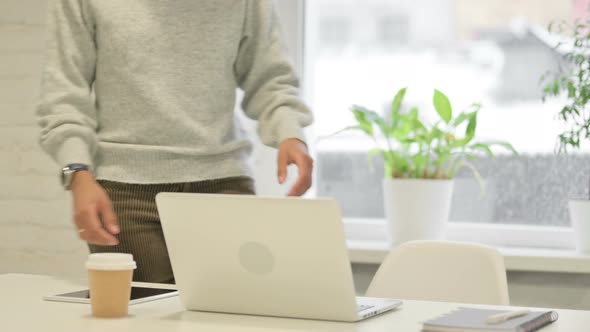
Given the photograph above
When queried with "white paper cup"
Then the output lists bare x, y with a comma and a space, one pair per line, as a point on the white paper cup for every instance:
109, 280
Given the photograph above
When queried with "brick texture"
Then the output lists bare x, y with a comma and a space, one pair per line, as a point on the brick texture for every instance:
36, 233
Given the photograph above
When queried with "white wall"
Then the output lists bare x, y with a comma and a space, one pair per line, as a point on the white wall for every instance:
36, 235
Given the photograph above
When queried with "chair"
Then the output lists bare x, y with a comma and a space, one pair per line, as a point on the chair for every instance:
442, 271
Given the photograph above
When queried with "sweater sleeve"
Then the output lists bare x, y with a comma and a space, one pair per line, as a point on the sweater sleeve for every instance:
66, 111
263, 71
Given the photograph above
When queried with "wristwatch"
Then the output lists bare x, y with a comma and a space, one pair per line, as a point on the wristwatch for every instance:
67, 173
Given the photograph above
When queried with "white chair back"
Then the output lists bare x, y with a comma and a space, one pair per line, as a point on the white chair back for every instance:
442, 271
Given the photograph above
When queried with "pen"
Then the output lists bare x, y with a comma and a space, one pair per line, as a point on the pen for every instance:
502, 317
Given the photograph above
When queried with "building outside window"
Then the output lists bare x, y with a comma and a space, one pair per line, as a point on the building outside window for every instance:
492, 52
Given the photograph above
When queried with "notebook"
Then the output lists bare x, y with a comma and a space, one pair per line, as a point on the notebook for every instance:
474, 320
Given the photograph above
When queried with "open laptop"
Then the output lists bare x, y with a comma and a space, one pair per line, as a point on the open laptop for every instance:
284, 257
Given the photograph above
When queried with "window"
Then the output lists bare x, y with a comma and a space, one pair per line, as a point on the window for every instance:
488, 51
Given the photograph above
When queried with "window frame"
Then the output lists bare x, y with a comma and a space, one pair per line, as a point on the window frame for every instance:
374, 230
497, 235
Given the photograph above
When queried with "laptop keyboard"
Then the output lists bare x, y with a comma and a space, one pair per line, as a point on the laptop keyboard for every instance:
362, 307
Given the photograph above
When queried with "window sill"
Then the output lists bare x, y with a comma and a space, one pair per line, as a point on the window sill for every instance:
367, 245
515, 259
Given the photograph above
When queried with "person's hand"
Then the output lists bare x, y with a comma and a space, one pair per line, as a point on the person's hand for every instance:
93, 211
294, 151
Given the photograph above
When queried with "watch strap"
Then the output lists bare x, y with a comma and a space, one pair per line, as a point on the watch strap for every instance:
68, 173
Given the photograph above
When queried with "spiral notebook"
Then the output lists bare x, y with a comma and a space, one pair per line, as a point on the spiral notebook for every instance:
474, 320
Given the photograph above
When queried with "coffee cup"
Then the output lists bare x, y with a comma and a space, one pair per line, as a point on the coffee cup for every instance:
109, 280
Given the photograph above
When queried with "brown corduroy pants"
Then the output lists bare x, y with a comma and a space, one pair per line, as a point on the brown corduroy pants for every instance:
141, 231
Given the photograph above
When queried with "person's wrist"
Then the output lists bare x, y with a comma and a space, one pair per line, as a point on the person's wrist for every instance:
294, 140
80, 179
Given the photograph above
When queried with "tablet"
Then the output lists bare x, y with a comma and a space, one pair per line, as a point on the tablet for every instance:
138, 295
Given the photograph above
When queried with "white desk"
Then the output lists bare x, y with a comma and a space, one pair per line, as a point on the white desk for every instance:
22, 309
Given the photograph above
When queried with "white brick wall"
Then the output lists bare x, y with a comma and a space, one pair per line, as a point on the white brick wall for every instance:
36, 234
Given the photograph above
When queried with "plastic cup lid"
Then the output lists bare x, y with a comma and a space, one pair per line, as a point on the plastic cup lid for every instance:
110, 262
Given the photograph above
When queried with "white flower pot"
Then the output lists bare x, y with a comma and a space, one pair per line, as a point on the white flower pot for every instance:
580, 218
416, 209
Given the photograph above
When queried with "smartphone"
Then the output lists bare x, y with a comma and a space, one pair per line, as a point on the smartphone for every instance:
138, 295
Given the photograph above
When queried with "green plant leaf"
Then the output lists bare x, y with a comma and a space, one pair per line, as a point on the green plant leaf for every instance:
419, 162
443, 106
349, 128
469, 131
436, 133
460, 119
390, 164
471, 125
463, 155
372, 153
396, 105
389, 171
367, 129
405, 127
571, 90
419, 126
400, 164
505, 145
478, 177
482, 147
364, 123
412, 116
555, 88
460, 143
380, 122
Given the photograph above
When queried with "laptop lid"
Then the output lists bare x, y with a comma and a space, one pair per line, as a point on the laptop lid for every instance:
282, 257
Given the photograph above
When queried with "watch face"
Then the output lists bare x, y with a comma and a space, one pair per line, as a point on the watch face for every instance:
67, 173
66, 178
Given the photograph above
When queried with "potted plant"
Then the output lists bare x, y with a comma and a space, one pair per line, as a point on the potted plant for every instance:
421, 160
573, 81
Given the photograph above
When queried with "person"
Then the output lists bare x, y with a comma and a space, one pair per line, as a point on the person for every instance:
138, 98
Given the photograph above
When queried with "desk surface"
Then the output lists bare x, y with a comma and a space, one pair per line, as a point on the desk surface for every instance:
22, 309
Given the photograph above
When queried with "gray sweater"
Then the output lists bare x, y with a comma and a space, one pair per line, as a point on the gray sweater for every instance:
145, 90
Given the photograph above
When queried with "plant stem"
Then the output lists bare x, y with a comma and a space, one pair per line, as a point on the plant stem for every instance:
427, 166
385, 159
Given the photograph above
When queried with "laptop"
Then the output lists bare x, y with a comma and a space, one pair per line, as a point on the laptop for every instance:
284, 257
